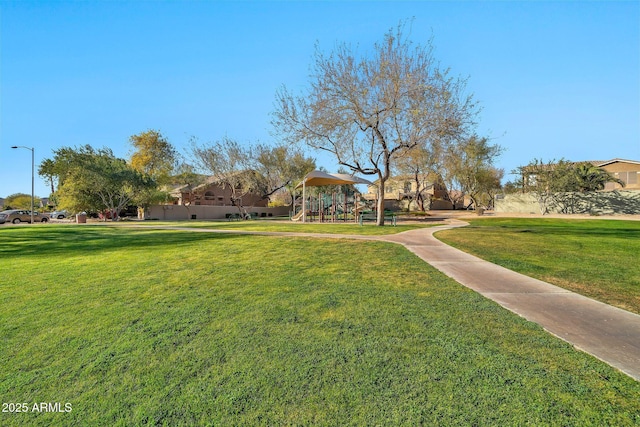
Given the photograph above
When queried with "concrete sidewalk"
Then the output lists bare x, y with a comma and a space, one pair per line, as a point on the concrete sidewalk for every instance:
608, 333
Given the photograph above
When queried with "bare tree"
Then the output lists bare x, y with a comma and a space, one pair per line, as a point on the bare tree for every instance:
281, 166
422, 164
231, 164
491, 185
468, 169
546, 180
260, 170
368, 109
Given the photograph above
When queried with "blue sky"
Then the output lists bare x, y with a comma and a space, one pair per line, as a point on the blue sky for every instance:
555, 79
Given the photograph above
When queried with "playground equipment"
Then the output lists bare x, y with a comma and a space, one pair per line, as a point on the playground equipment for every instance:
297, 216
328, 207
337, 206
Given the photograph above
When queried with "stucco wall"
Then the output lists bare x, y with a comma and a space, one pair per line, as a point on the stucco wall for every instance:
626, 170
602, 202
178, 212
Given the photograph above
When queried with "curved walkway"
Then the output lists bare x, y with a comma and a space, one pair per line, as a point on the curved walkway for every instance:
606, 332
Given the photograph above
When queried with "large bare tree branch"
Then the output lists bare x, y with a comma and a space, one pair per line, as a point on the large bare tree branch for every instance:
367, 109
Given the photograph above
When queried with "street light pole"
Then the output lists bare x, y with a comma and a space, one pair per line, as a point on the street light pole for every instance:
32, 174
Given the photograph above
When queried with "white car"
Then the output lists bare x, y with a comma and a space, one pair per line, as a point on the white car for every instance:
59, 215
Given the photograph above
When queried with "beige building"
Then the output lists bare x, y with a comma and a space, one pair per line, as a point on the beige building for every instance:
614, 199
628, 171
212, 200
214, 193
400, 191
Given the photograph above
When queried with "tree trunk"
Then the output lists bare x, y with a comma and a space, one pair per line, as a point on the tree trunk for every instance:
473, 202
380, 204
419, 196
420, 201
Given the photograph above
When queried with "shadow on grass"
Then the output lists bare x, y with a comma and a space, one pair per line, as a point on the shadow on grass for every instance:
69, 241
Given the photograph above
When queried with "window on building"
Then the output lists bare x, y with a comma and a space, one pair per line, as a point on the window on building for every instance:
623, 176
626, 177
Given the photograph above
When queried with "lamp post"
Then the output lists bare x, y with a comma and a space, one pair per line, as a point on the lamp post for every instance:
32, 173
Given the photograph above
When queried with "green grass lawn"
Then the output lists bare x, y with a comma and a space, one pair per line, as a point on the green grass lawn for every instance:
367, 229
596, 258
158, 327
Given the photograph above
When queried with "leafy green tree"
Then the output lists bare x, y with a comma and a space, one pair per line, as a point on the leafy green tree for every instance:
153, 155
75, 195
20, 201
592, 178
368, 110
64, 160
555, 182
96, 180
512, 186
47, 171
546, 180
489, 185
66, 163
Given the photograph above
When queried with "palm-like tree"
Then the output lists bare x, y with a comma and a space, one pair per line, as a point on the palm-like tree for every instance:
592, 178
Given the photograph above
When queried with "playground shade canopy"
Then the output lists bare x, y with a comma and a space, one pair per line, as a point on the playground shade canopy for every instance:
318, 178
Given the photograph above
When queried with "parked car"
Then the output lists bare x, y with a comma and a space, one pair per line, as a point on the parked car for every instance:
59, 215
129, 211
17, 216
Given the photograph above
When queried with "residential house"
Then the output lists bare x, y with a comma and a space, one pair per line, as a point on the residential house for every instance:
614, 199
400, 191
628, 171
214, 193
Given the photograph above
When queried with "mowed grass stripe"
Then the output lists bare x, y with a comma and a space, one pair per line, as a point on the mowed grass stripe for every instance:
143, 327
